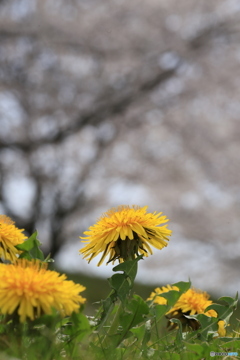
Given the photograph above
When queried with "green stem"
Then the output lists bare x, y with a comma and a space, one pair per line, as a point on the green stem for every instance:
120, 289
114, 326
103, 314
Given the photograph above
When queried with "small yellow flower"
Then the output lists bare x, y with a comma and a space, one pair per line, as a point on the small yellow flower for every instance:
221, 328
10, 236
190, 303
124, 233
30, 290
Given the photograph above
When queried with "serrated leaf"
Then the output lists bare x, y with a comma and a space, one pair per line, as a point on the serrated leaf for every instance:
120, 284
183, 286
136, 308
123, 283
129, 268
134, 314
31, 249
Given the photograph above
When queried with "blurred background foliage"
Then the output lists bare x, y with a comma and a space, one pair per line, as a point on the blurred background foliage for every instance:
109, 102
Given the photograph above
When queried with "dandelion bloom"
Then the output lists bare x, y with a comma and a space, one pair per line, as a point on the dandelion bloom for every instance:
124, 233
30, 290
192, 302
10, 236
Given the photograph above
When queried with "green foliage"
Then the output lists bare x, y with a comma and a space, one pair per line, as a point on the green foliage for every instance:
123, 283
31, 249
125, 326
225, 311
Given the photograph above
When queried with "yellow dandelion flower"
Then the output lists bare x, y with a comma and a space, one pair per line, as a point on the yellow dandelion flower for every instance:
10, 236
124, 233
192, 302
155, 295
30, 290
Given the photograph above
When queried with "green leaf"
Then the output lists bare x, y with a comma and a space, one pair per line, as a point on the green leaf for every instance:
231, 344
129, 268
136, 309
73, 332
107, 306
183, 286
225, 311
133, 314
25, 255
196, 348
228, 339
80, 322
172, 297
160, 311
175, 356
120, 284
199, 351
47, 320
139, 332
28, 244
77, 327
31, 249
232, 302
123, 283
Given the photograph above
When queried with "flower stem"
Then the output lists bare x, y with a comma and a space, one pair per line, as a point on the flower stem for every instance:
114, 326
